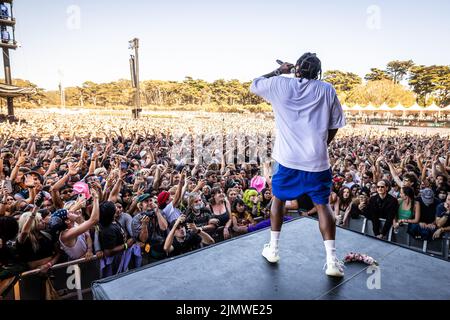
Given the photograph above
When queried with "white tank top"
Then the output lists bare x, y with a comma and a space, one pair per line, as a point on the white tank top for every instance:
78, 250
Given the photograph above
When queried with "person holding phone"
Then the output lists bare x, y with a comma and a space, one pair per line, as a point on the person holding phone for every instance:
181, 240
7, 201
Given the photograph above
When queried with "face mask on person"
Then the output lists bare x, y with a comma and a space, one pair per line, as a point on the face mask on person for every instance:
199, 206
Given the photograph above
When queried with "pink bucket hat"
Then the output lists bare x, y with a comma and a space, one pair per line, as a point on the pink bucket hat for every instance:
82, 188
258, 183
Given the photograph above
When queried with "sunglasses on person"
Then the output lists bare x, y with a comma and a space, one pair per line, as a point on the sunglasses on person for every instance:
66, 191
381, 187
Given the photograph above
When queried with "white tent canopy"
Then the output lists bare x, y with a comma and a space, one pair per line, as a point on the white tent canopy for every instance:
399, 107
385, 108
434, 108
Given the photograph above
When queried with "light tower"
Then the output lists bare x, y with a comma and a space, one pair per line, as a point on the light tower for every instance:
7, 27
134, 68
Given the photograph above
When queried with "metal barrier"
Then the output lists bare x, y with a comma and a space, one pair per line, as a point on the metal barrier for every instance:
392, 237
70, 279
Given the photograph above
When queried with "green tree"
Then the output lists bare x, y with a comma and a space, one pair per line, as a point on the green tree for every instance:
379, 92
91, 91
342, 81
442, 85
377, 74
399, 69
38, 99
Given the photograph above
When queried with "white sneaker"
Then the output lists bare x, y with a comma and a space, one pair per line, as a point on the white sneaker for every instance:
271, 254
335, 268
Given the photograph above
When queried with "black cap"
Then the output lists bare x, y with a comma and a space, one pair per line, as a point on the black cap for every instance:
37, 174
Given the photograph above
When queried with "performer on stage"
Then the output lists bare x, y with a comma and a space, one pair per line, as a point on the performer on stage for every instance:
308, 115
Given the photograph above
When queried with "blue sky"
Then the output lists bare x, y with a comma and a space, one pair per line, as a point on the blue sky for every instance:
210, 39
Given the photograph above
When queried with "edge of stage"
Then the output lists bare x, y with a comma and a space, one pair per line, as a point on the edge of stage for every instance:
235, 270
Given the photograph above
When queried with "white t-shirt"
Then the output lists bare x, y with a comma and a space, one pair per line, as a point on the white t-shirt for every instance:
348, 184
170, 213
304, 112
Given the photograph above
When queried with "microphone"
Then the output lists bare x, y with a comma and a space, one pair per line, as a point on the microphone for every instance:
281, 62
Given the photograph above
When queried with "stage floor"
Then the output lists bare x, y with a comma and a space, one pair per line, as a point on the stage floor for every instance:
235, 270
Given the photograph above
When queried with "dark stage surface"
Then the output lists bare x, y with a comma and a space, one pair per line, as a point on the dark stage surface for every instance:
235, 270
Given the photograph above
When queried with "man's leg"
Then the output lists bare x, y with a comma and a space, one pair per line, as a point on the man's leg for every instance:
276, 214
327, 225
270, 251
276, 221
376, 224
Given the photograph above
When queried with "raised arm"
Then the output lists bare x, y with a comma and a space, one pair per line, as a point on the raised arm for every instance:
157, 179
178, 195
268, 173
162, 222
93, 164
2, 175
168, 248
3, 197
20, 161
115, 191
73, 170
26, 229
394, 175
88, 224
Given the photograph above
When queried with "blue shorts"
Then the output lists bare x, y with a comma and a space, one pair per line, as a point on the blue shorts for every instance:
289, 184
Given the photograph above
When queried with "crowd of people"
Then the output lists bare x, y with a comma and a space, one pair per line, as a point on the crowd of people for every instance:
77, 187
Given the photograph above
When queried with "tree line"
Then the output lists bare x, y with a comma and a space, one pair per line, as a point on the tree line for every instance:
425, 85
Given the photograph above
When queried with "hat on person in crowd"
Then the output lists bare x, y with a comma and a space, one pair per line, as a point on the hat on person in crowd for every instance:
65, 187
100, 170
82, 188
36, 168
180, 167
143, 197
427, 196
57, 221
338, 179
258, 183
142, 154
36, 174
163, 197
61, 213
